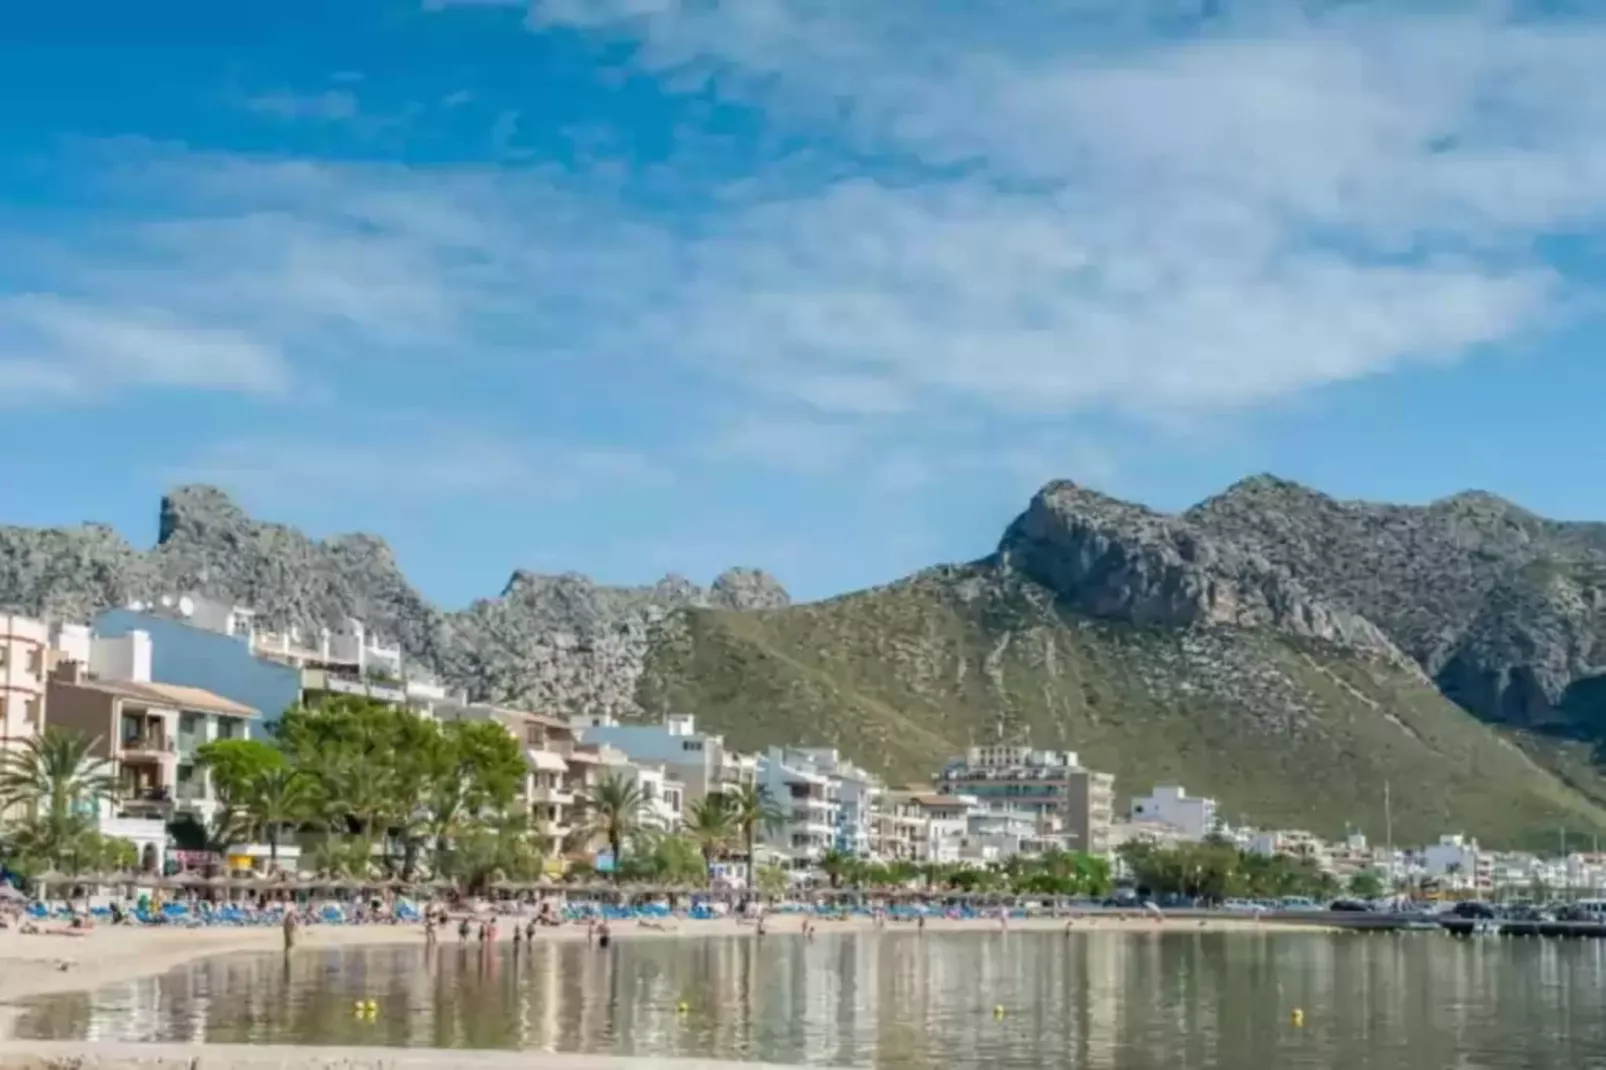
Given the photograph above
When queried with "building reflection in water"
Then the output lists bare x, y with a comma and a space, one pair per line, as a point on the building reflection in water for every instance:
900, 1000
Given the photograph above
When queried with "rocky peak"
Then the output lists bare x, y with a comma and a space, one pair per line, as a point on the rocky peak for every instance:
748, 588
1110, 558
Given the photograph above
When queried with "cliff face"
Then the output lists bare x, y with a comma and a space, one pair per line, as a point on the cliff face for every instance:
1499, 606
1108, 558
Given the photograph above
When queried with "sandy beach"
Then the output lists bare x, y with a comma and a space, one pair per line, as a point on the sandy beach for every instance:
40, 965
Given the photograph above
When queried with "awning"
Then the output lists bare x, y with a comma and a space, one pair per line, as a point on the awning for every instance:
546, 761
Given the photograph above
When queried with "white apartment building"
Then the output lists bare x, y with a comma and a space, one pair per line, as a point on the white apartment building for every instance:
858, 793
899, 829
810, 801
24, 670
947, 820
662, 795
1194, 817
1457, 861
1070, 799
699, 760
1296, 843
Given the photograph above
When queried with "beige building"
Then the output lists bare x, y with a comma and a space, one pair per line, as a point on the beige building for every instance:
899, 830
134, 727
562, 772
24, 667
1089, 811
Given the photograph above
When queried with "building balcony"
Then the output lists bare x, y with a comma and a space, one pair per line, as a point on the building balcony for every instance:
149, 745
552, 796
144, 801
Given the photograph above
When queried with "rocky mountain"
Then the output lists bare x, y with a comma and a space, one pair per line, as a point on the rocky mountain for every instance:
1287, 652
561, 642
1505, 610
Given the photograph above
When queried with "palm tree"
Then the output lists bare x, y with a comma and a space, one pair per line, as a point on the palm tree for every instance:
617, 811
710, 824
278, 797
60, 782
752, 809
836, 863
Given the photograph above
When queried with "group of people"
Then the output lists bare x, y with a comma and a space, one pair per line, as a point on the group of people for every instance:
486, 930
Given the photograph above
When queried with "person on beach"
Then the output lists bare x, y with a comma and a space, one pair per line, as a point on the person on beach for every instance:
429, 930
591, 929
462, 930
604, 937
529, 931
518, 936
920, 921
290, 923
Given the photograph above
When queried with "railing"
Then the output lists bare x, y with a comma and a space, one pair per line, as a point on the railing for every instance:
149, 744
145, 796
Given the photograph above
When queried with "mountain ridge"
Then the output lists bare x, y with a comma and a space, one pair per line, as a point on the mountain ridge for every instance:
1267, 620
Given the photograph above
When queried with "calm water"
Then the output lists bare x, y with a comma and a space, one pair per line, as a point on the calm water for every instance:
899, 1000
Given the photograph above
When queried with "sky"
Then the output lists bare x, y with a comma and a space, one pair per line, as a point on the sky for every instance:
825, 287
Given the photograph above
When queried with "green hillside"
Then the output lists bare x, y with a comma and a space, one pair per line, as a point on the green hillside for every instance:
1284, 732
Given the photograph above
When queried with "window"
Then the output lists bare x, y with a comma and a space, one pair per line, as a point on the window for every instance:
189, 723
30, 711
36, 661
692, 745
535, 736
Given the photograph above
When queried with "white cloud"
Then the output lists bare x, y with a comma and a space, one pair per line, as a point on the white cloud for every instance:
1202, 219
332, 105
56, 349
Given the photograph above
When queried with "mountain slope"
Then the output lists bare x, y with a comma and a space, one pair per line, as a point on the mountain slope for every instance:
1286, 730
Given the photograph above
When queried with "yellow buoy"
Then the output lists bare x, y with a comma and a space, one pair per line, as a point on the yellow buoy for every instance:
998, 1011
1298, 1017
683, 1007
358, 1006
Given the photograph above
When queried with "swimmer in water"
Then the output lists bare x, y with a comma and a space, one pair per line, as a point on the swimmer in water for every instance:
603, 936
462, 930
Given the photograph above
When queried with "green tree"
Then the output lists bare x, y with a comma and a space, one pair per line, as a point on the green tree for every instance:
60, 783
772, 881
276, 798
616, 812
1366, 884
752, 810
710, 823
234, 767
836, 865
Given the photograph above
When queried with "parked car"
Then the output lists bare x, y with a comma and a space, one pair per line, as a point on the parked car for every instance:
1472, 909
1297, 903
1350, 906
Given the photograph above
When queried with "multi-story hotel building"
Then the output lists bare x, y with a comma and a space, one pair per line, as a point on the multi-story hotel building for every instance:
1074, 804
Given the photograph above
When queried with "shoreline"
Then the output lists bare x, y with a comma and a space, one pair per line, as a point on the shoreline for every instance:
44, 965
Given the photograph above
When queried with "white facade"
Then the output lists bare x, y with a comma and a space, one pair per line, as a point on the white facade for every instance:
1010, 757
24, 667
662, 793
699, 760
858, 793
1459, 862
947, 825
1194, 817
810, 801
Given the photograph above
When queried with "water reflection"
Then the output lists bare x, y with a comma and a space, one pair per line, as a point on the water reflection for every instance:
902, 1001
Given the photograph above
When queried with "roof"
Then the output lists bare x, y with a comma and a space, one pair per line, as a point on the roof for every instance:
174, 696
195, 698
939, 800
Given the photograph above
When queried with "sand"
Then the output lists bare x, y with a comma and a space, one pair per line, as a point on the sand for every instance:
40, 965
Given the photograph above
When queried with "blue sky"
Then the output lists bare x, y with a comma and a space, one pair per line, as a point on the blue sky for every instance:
632, 286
